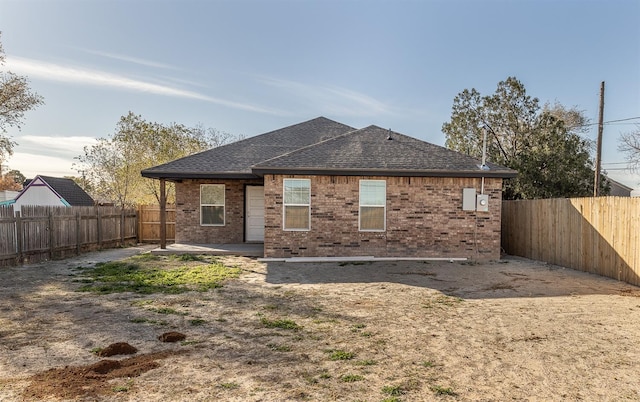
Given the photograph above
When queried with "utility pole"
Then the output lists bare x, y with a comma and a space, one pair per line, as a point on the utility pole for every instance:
596, 182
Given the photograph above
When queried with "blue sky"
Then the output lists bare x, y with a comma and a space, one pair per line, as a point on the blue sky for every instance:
248, 67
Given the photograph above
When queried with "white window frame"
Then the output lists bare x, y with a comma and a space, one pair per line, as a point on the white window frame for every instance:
285, 205
224, 208
383, 206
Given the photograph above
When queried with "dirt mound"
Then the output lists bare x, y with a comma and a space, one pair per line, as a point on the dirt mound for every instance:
172, 337
90, 380
119, 348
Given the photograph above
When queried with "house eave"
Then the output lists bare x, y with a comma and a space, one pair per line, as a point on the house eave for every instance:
175, 176
261, 171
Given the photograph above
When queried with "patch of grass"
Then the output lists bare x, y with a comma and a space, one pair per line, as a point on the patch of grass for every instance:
95, 351
341, 355
393, 390
221, 320
147, 275
197, 322
351, 378
123, 388
187, 257
325, 376
428, 364
282, 324
168, 310
439, 390
228, 385
391, 399
279, 348
141, 303
366, 334
442, 300
365, 363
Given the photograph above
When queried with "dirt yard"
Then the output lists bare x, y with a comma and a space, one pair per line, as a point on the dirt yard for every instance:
382, 331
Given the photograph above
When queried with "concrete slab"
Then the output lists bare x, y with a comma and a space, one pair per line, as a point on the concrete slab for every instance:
242, 249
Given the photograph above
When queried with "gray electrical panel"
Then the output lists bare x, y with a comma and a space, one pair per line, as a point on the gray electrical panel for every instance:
468, 199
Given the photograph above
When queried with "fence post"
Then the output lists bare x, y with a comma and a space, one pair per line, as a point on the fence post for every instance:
122, 227
78, 239
99, 228
51, 235
19, 240
139, 213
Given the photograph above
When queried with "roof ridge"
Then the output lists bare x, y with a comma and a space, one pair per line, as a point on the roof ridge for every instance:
308, 146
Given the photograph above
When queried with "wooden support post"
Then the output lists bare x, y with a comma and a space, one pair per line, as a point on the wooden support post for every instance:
78, 237
163, 215
19, 239
99, 227
51, 235
122, 227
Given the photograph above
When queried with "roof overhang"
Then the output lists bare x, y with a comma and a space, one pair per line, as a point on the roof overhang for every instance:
505, 174
176, 176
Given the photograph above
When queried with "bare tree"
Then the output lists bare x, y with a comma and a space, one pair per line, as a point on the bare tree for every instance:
630, 147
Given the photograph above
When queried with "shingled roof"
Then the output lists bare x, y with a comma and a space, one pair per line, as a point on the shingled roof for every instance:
322, 146
236, 159
67, 189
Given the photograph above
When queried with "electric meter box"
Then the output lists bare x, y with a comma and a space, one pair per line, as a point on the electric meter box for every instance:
482, 203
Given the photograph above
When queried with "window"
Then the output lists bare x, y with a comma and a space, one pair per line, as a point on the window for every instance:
297, 204
212, 204
373, 205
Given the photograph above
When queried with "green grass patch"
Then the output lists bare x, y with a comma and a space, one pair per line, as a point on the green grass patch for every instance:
197, 322
393, 390
279, 348
167, 310
147, 275
282, 324
340, 355
228, 385
439, 390
351, 378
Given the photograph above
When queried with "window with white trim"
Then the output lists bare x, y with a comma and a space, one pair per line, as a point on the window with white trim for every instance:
296, 204
212, 204
373, 205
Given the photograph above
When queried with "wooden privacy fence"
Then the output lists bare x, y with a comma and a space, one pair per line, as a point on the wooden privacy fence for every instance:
149, 223
597, 235
41, 233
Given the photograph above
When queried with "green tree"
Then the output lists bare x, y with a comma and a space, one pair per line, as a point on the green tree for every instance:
112, 166
544, 144
16, 98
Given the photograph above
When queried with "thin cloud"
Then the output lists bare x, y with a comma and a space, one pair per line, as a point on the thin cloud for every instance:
55, 72
129, 59
332, 99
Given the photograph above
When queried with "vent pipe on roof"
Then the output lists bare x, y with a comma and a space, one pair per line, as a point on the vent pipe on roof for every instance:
389, 137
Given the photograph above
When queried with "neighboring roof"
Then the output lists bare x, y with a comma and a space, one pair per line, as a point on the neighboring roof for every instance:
619, 189
323, 146
235, 160
376, 150
66, 189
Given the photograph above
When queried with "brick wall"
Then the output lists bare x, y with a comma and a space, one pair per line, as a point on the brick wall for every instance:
424, 219
188, 228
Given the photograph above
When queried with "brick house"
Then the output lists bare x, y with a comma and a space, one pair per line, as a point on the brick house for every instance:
321, 189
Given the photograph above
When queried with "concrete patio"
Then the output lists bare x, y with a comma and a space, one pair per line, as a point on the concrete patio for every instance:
242, 249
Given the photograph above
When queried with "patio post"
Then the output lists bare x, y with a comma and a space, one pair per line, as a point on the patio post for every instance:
163, 215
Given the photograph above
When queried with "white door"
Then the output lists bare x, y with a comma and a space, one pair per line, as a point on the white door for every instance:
255, 213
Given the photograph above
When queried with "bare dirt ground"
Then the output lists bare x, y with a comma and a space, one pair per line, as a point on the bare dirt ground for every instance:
382, 331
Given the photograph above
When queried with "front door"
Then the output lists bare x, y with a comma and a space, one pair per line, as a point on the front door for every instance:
254, 219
